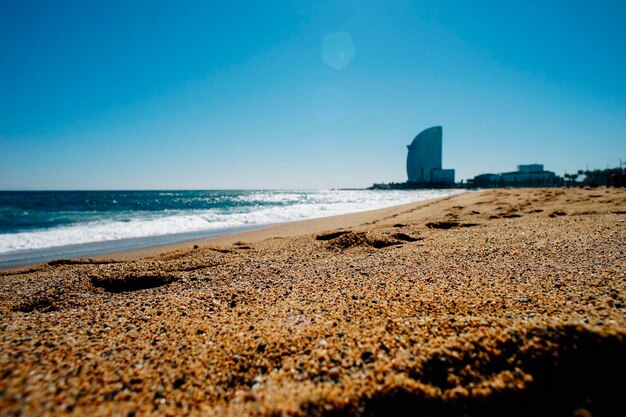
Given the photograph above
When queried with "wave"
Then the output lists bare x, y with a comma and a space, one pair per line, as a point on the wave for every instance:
262, 208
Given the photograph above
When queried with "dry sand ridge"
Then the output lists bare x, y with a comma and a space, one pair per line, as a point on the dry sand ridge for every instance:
501, 302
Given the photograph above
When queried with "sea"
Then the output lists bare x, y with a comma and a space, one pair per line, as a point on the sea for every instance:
39, 226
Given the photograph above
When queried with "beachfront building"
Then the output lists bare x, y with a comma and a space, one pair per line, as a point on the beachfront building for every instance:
486, 180
423, 162
530, 168
527, 173
531, 175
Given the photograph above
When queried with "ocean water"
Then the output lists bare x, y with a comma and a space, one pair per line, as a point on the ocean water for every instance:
44, 225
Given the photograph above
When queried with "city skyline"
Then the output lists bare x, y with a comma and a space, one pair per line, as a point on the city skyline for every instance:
317, 95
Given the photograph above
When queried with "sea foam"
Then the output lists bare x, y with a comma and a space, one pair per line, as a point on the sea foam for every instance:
245, 210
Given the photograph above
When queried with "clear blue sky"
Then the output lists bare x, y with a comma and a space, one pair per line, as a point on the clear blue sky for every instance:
162, 94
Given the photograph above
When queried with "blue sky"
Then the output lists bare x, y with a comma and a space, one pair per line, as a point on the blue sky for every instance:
153, 94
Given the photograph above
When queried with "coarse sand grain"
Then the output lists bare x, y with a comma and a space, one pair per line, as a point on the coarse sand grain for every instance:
503, 302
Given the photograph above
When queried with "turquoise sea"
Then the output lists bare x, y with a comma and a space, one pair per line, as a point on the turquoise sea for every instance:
37, 226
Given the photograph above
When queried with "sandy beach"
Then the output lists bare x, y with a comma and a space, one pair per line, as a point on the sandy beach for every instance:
492, 303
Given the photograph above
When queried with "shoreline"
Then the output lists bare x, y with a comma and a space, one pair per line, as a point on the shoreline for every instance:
277, 231
504, 302
262, 232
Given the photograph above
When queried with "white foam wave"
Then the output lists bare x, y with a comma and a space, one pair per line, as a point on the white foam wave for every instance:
298, 206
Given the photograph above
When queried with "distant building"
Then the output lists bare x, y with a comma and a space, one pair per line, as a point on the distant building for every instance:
530, 168
531, 175
486, 180
442, 176
423, 162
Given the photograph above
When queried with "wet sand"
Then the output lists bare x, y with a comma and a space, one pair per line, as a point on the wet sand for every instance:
502, 302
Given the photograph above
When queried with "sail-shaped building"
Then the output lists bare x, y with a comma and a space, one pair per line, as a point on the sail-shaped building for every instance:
423, 163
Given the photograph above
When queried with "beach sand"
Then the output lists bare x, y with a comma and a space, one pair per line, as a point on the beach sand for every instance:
494, 303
